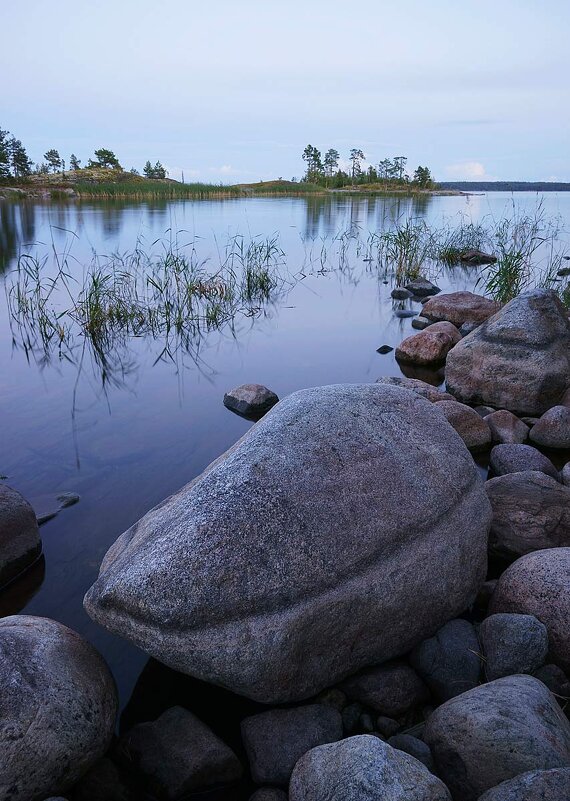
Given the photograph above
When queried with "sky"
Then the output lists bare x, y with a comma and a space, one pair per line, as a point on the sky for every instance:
232, 90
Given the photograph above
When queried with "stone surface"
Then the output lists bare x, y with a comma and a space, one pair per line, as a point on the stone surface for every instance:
426, 347
422, 388
506, 427
387, 726
391, 689
363, 769
399, 293
460, 308
20, 543
421, 288
276, 739
250, 400
102, 782
512, 644
539, 584
553, 428
495, 732
518, 360
515, 458
414, 747
177, 754
471, 427
477, 257
556, 681
421, 322
565, 474
58, 704
536, 785
269, 794
449, 662
384, 349
242, 576
447, 328
531, 511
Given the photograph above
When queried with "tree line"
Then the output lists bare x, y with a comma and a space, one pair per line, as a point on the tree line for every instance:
325, 171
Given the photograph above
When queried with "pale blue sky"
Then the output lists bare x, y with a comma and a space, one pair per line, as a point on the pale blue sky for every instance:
232, 90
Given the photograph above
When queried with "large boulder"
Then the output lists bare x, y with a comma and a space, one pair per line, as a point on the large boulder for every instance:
294, 559
539, 584
363, 768
20, 543
496, 731
58, 704
536, 785
460, 308
518, 360
427, 391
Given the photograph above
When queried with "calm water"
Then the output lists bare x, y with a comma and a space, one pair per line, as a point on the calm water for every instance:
155, 426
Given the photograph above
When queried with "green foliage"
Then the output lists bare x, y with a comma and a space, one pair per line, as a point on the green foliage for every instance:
105, 158
422, 177
74, 162
14, 161
156, 172
53, 160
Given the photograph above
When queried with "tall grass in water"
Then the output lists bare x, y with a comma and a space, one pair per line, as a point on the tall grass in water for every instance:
140, 190
406, 248
450, 242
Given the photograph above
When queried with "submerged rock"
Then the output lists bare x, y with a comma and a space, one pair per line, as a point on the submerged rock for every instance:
300, 530
20, 543
477, 257
460, 308
250, 400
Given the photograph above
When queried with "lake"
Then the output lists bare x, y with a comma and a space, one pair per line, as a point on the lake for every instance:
127, 439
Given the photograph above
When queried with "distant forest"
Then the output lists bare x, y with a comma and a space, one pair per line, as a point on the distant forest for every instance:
506, 186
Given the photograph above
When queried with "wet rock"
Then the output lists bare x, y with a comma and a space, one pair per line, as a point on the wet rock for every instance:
460, 308
470, 426
539, 584
67, 499
391, 689
536, 785
422, 388
269, 794
514, 458
447, 328
387, 726
276, 739
58, 704
404, 313
512, 644
518, 360
177, 754
399, 293
265, 580
250, 400
553, 428
495, 732
20, 543
421, 322
565, 474
449, 662
477, 257
46, 507
556, 681
506, 427
102, 782
414, 747
426, 347
531, 511
421, 287
383, 349
363, 769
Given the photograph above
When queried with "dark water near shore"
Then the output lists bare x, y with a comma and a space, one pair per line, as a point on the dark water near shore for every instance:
127, 445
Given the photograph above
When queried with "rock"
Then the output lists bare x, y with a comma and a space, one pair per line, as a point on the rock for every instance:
426, 347
177, 754
515, 458
447, 328
563, 272
250, 400
497, 731
332, 697
351, 718
459, 308
67, 499
421, 322
539, 584
240, 578
467, 328
58, 704
484, 411
531, 511
422, 388
383, 349
48, 506
470, 426
366, 723
449, 661
565, 474
536, 785
363, 769
391, 689
517, 360
269, 794
506, 427
421, 287
477, 257
387, 726
556, 681
20, 543
553, 428
512, 644
485, 594
404, 313
414, 747
102, 782
276, 739
530, 421
399, 293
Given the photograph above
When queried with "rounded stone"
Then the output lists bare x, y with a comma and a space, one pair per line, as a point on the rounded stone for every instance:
553, 428
470, 426
250, 400
506, 427
515, 458
460, 308
512, 644
20, 543
536, 785
425, 348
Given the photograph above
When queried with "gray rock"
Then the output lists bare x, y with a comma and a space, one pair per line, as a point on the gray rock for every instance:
332, 697
58, 704
366, 723
506, 427
460, 308
351, 715
531, 511
565, 474
241, 576
518, 360
422, 388
404, 313
553, 428
421, 322
399, 293
414, 747
470, 426
539, 584
468, 327
20, 543
391, 689
449, 662
513, 458
102, 782
512, 644
427, 347
485, 594
477, 257
536, 785
250, 400
276, 739
421, 287
384, 349
177, 754
48, 506
363, 769
387, 726
269, 794
556, 681
484, 411
495, 732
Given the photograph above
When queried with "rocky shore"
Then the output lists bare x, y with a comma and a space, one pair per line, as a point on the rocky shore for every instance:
394, 622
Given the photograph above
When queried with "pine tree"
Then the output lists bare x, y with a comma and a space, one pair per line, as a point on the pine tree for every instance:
74, 162
4, 155
53, 159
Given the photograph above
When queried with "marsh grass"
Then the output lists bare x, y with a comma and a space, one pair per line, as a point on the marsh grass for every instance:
164, 190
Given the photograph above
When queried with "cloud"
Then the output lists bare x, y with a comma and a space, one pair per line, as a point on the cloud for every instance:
468, 171
225, 169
